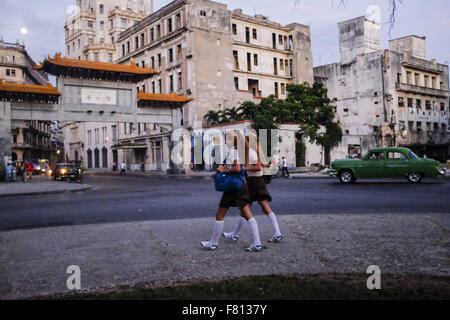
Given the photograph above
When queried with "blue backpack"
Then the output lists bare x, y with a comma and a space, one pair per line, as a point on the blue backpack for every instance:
229, 182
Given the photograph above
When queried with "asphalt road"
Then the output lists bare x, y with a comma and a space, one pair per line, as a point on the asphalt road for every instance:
134, 198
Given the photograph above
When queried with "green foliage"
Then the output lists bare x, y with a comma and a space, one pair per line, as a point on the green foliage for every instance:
308, 106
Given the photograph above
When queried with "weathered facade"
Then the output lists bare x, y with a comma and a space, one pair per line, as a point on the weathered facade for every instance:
29, 139
391, 97
221, 57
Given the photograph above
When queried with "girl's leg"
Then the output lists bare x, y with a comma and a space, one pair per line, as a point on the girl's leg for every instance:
272, 217
247, 214
218, 225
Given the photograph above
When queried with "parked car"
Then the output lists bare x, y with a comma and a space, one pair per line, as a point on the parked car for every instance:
61, 171
75, 174
386, 163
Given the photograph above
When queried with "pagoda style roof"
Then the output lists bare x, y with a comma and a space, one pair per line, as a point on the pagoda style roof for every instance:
96, 70
159, 99
28, 92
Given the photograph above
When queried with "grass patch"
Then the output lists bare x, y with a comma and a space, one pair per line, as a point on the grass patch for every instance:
276, 287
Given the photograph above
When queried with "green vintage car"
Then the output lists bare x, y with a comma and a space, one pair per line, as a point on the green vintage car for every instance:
386, 163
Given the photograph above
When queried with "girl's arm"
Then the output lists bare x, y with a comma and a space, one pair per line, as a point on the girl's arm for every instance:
254, 167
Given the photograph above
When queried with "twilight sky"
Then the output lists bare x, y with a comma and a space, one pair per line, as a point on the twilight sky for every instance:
45, 19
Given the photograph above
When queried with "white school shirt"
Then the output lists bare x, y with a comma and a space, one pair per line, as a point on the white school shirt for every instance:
284, 163
232, 155
253, 159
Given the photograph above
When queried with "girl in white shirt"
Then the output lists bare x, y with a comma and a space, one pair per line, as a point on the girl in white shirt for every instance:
258, 192
239, 199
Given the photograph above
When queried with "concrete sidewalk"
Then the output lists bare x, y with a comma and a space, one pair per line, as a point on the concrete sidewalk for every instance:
40, 185
34, 262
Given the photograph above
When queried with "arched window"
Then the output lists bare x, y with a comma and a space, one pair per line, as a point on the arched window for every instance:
89, 158
104, 157
97, 158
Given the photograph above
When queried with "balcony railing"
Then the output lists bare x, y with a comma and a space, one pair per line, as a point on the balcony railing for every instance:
421, 90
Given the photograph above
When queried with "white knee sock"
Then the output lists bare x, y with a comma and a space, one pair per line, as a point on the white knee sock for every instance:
274, 222
255, 232
237, 229
217, 231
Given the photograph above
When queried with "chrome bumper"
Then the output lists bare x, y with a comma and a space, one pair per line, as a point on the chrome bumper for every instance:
333, 173
442, 171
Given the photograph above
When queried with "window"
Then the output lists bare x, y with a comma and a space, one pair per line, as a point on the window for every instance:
142, 39
96, 132
90, 25
280, 39
203, 13
143, 64
96, 56
395, 156
283, 89
136, 43
160, 85
123, 50
427, 104
171, 84
105, 134
433, 82
234, 28
255, 34
442, 106
79, 43
114, 133
123, 22
408, 77
249, 62
102, 25
255, 59
128, 47
179, 52
236, 60
153, 62
178, 20
401, 102
158, 31
399, 77
346, 112
169, 25
236, 83
104, 157
436, 127
275, 66
102, 40
419, 104
180, 80
419, 126
247, 34
101, 9
110, 57
152, 35
281, 64
153, 87
442, 86
426, 81
410, 103
416, 79
159, 59
276, 89
170, 55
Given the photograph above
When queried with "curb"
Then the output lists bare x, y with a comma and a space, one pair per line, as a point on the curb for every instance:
44, 192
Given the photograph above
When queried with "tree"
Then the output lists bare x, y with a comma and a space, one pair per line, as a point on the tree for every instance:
308, 106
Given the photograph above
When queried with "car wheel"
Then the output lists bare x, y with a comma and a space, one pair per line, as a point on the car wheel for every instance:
346, 176
414, 177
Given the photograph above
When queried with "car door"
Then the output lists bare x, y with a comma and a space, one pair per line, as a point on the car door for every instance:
373, 166
396, 164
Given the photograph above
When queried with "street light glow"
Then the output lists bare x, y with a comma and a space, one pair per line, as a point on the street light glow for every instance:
24, 30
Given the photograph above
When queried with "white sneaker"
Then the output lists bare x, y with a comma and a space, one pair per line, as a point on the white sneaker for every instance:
276, 239
230, 236
208, 245
254, 248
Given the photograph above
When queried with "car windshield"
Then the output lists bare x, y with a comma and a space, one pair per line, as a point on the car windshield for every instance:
413, 155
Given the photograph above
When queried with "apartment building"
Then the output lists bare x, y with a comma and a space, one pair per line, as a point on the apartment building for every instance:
392, 97
91, 33
217, 56
29, 139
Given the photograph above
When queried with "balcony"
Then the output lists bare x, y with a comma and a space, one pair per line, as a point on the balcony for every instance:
421, 90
